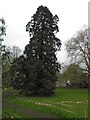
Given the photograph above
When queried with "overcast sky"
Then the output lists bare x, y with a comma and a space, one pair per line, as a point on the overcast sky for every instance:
73, 15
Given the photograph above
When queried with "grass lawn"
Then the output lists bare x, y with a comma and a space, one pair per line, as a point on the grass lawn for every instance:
65, 103
9, 113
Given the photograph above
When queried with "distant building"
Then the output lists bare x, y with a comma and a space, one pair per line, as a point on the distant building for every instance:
62, 83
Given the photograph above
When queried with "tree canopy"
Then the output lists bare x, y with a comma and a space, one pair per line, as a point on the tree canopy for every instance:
8, 56
75, 75
78, 48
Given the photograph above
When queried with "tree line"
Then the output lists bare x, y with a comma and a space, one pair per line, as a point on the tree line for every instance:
36, 71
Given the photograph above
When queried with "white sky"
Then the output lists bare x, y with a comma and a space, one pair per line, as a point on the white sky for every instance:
73, 15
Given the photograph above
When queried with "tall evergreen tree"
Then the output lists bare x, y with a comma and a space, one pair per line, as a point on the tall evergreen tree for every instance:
34, 73
41, 52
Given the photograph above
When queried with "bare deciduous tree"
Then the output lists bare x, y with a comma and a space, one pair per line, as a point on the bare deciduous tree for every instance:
78, 48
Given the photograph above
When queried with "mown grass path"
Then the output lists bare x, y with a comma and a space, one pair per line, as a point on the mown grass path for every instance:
26, 112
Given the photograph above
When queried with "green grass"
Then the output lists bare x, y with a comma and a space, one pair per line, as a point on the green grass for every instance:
9, 113
55, 103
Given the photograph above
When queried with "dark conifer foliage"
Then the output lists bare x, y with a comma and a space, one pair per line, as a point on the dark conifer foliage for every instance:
40, 53
18, 73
